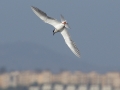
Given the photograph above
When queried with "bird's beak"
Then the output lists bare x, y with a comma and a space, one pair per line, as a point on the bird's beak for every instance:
53, 32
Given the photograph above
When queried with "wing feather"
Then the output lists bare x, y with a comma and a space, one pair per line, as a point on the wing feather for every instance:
71, 44
43, 16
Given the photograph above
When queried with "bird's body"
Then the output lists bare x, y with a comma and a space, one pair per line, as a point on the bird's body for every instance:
59, 27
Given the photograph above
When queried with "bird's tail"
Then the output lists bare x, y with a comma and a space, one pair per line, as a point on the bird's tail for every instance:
63, 20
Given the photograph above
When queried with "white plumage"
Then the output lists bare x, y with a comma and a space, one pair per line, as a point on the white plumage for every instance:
59, 27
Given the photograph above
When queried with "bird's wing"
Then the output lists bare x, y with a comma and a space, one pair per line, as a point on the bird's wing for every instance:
70, 43
43, 16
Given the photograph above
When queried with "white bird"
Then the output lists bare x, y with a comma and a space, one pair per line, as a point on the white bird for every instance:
59, 27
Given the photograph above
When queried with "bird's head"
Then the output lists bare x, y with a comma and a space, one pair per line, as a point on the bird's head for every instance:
64, 22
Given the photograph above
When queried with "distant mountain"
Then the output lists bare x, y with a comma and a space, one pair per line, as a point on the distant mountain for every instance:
25, 55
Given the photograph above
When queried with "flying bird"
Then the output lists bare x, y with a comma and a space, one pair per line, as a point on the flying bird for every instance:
59, 27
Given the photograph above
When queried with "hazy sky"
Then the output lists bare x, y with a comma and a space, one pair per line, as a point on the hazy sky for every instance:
95, 27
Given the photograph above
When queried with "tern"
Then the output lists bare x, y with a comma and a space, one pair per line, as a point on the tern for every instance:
59, 27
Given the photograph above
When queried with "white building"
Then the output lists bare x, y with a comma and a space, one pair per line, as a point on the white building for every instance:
70, 87
107, 87
117, 89
94, 87
34, 88
47, 87
82, 87
58, 87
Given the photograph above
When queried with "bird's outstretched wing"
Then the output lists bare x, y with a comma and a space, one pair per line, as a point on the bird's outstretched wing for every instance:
43, 16
70, 43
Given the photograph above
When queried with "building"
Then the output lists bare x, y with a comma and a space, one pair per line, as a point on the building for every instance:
83, 81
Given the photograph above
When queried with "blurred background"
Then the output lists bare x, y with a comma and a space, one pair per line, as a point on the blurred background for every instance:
31, 58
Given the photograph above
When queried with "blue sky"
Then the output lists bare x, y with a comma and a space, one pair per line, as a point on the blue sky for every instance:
95, 27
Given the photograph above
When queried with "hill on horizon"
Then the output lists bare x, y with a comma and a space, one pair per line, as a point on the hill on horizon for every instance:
30, 56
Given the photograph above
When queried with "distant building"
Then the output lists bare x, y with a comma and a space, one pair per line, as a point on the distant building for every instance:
9, 79
47, 87
94, 87
82, 87
58, 87
116, 88
44, 77
27, 78
70, 87
34, 88
83, 81
107, 87
65, 77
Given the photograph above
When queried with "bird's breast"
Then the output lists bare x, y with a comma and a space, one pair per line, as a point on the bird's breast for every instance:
60, 27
